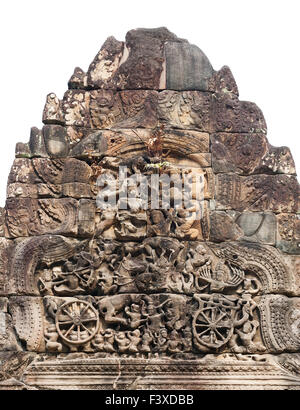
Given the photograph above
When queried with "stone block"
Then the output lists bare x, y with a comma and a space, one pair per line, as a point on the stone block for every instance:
56, 140
257, 226
185, 110
201, 160
76, 134
103, 69
275, 193
249, 153
28, 217
6, 252
52, 113
2, 222
86, 218
22, 171
277, 160
228, 114
12, 368
223, 227
288, 233
22, 150
18, 190
8, 339
37, 143
3, 304
78, 80
75, 170
222, 81
121, 143
139, 109
105, 109
143, 62
75, 107
27, 315
280, 317
240, 153
187, 67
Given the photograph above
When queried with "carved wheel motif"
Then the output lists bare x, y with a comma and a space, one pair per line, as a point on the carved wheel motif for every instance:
212, 326
77, 322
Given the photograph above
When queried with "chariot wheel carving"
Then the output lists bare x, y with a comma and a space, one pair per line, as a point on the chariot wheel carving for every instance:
213, 326
77, 322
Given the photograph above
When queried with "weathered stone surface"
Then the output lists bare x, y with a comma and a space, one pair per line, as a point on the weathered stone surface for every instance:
143, 61
22, 191
12, 367
47, 178
139, 108
86, 218
150, 237
223, 228
37, 143
76, 134
223, 81
240, 153
280, 317
257, 226
8, 339
53, 110
121, 143
2, 222
231, 115
201, 160
75, 106
35, 178
28, 253
22, 150
288, 233
278, 193
234, 372
3, 305
102, 70
295, 267
187, 67
278, 161
52, 335
6, 254
27, 314
185, 110
34, 148
205, 265
22, 172
249, 153
56, 141
78, 79
105, 109
27, 217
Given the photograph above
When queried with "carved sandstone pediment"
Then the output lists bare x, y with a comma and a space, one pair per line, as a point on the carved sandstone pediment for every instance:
150, 232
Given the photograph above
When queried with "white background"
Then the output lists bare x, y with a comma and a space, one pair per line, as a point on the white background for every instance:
43, 41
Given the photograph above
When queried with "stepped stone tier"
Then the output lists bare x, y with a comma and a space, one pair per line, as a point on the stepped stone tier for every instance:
205, 296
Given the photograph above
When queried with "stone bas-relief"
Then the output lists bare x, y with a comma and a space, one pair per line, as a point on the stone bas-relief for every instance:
177, 292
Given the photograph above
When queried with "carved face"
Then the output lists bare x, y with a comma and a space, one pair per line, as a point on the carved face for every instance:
105, 98
135, 308
157, 216
164, 332
201, 250
247, 327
